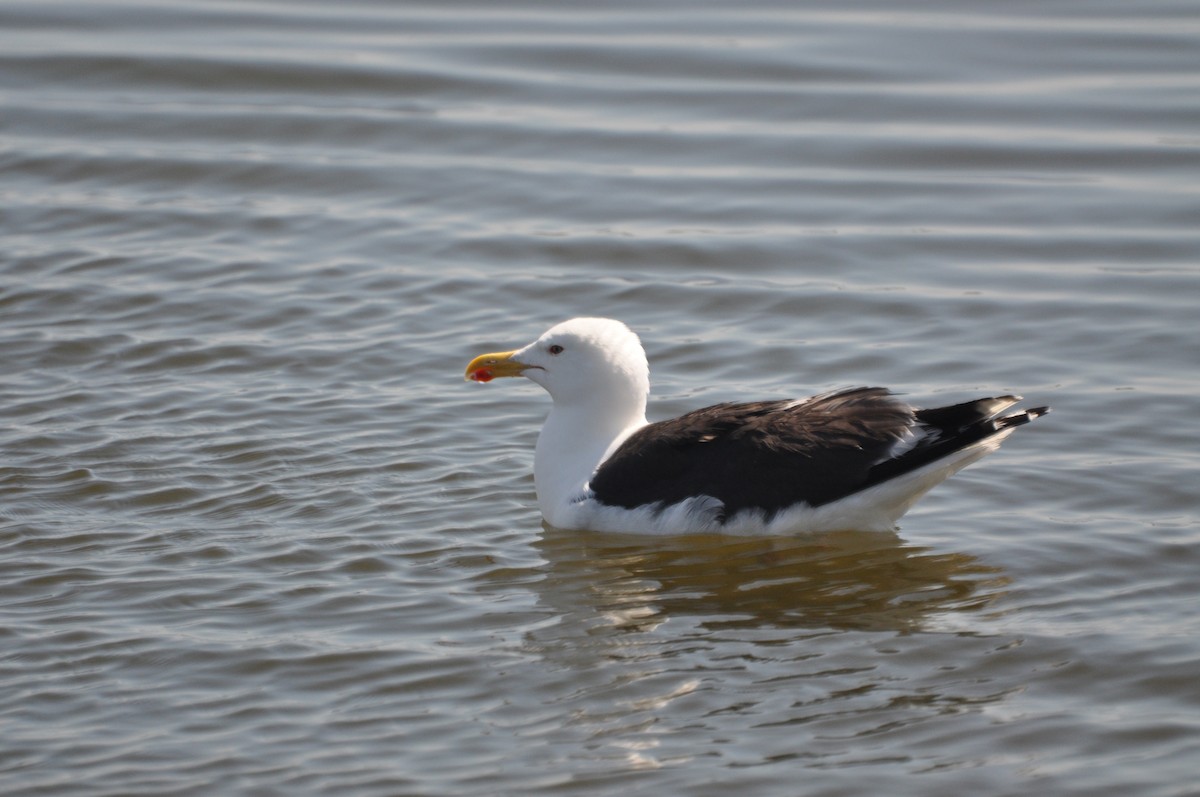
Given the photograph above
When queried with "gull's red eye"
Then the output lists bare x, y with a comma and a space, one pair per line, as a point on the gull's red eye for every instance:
555, 349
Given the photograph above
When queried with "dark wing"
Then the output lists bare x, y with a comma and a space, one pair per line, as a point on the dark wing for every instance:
764, 455
770, 455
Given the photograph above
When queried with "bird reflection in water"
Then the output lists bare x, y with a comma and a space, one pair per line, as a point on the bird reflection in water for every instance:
849, 580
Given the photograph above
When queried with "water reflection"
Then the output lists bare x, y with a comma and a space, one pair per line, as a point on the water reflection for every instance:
663, 646
845, 580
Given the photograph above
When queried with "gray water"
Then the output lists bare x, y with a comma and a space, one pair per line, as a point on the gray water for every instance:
257, 536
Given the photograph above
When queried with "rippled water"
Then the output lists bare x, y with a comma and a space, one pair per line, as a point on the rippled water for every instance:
258, 537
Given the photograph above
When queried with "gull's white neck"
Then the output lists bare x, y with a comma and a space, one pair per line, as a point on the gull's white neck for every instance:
596, 372
573, 442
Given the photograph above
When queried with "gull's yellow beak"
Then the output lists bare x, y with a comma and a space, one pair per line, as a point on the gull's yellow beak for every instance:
487, 367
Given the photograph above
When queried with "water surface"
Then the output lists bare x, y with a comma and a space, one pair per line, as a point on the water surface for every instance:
258, 537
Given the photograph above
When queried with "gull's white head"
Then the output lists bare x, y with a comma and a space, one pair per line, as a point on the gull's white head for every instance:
584, 361
595, 370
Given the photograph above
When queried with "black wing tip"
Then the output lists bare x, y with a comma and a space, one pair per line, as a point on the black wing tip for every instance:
1021, 418
997, 404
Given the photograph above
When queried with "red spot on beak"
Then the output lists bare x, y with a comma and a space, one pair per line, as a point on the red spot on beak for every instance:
482, 375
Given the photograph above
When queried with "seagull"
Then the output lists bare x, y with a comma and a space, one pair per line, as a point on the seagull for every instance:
855, 458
